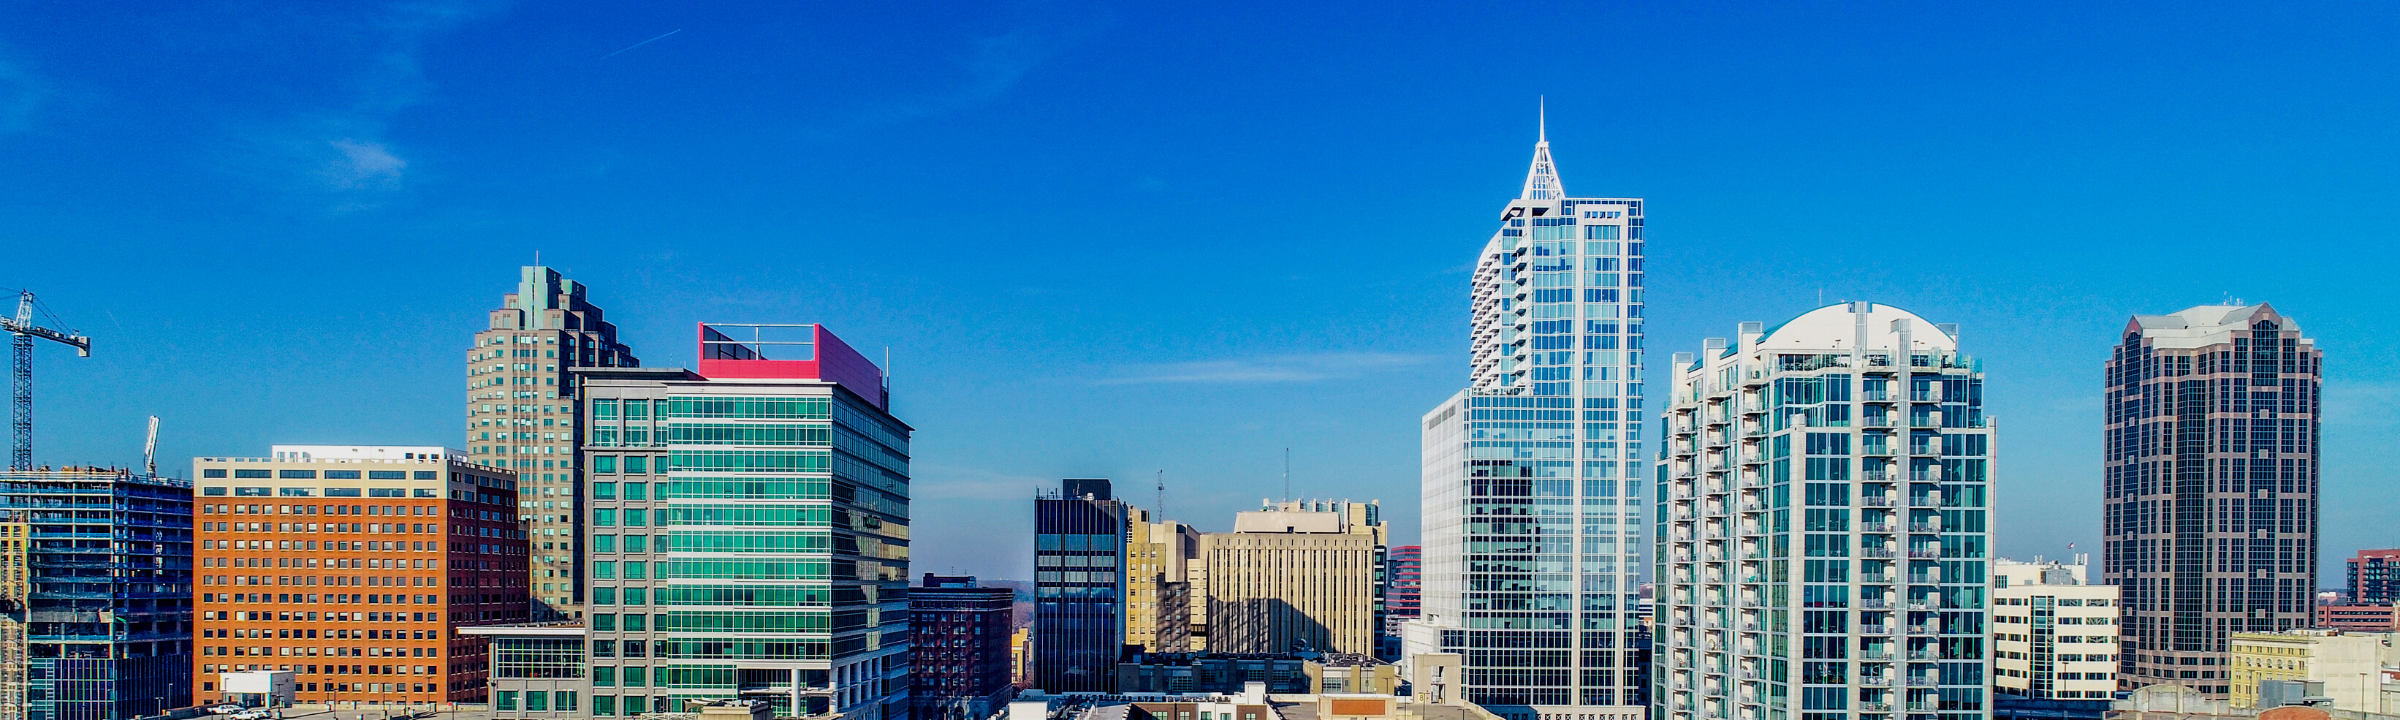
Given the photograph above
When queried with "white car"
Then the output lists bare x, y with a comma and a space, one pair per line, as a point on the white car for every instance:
226, 709
253, 714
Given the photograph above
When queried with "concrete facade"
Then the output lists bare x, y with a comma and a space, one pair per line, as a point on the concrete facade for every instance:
524, 411
2054, 637
1296, 576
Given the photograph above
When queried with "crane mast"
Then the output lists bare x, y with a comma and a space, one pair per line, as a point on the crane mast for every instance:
24, 329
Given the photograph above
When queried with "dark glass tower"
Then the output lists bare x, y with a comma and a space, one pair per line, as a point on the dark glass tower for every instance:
1079, 579
2210, 499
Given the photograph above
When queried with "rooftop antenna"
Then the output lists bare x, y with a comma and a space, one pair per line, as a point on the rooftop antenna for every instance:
1162, 496
1287, 474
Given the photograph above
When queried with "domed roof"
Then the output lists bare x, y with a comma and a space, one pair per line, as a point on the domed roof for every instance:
1835, 327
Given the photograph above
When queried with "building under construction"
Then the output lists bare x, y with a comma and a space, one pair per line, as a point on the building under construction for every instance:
95, 593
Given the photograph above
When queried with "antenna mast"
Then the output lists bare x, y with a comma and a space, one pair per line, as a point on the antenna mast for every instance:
1287, 474
1162, 496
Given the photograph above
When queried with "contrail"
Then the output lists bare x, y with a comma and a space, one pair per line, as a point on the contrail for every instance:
639, 44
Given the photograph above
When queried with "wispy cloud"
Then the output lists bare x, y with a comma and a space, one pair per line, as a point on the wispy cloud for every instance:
1271, 369
994, 64
363, 165
342, 145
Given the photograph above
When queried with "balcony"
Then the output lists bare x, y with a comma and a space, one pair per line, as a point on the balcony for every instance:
1875, 527
1875, 552
1922, 580
1918, 527
1875, 629
1875, 501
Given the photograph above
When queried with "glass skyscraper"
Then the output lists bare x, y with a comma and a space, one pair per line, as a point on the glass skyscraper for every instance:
2209, 507
1530, 478
1824, 526
748, 530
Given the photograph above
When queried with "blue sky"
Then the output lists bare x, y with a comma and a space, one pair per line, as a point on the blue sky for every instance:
1110, 240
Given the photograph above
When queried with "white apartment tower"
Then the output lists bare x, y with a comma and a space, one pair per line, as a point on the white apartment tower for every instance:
1530, 474
1824, 501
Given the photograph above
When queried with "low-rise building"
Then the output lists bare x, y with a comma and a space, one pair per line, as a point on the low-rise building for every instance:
2349, 664
2054, 636
2359, 618
539, 671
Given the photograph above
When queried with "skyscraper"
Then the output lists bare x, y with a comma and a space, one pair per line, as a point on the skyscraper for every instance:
1824, 533
522, 413
108, 610
1530, 474
2209, 507
1079, 581
761, 549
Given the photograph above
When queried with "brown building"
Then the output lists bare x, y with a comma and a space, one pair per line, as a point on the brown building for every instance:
353, 568
2360, 618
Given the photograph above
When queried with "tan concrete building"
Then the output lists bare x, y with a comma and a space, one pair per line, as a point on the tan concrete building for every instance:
1295, 573
2349, 664
1158, 560
2054, 637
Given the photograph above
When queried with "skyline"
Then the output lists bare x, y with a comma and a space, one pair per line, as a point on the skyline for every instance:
1019, 366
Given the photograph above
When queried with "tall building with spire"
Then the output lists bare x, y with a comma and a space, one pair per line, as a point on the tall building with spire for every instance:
2209, 511
522, 406
1531, 474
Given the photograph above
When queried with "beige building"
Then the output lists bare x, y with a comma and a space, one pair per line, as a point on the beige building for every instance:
523, 400
1158, 560
2054, 637
1295, 573
2349, 664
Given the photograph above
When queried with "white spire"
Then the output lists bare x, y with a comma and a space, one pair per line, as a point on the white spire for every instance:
1541, 181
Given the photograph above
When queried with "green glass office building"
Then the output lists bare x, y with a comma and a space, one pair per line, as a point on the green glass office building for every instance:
747, 529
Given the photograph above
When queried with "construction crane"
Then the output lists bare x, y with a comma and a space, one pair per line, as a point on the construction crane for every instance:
24, 327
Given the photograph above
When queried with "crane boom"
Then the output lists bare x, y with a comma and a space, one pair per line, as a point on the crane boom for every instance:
24, 329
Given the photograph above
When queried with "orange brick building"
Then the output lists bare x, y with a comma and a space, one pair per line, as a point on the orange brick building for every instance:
353, 567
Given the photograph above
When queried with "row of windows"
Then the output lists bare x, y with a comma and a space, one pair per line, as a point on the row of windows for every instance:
253, 473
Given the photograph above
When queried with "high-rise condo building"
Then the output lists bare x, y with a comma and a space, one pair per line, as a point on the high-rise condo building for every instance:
748, 529
353, 568
1403, 595
1079, 563
2054, 637
522, 415
958, 635
1824, 527
1296, 576
1530, 475
2209, 507
104, 620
